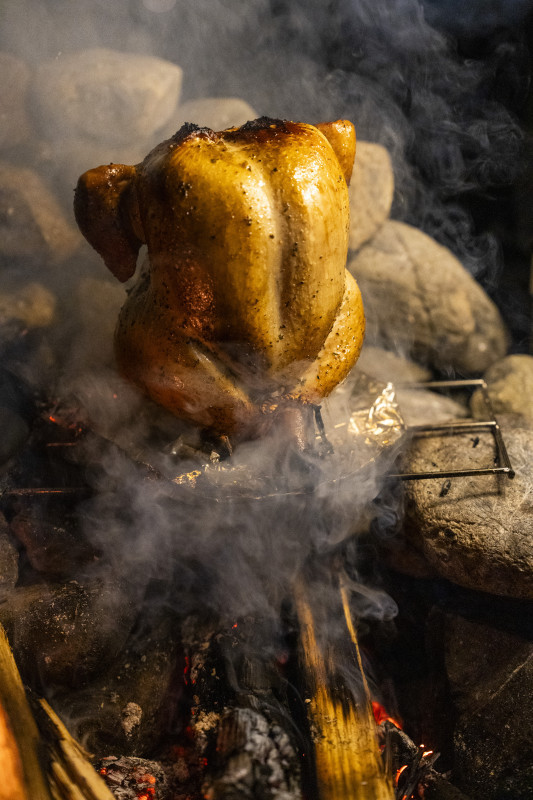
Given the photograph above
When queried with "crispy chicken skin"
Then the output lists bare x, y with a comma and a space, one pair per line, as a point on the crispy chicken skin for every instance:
244, 295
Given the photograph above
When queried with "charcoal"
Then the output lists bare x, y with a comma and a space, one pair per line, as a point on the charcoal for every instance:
416, 768
490, 671
62, 634
254, 759
131, 778
240, 737
475, 531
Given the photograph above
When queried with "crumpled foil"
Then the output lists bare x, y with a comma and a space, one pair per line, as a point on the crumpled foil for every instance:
358, 428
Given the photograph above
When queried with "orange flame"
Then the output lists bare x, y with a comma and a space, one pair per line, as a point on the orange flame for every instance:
381, 715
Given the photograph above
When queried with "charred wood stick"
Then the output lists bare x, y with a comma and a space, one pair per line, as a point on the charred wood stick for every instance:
40, 760
435, 787
21, 752
346, 751
70, 772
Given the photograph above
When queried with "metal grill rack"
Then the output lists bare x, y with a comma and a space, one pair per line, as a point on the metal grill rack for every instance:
457, 427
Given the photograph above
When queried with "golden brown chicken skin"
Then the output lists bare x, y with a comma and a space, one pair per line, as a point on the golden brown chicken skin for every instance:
245, 295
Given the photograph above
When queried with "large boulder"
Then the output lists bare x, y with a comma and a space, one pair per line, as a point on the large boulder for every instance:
33, 227
371, 192
62, 634
105, 95
385, 366
9, 560
32, 305
14, 123
420, 300
510, 383
490, 673
476, 531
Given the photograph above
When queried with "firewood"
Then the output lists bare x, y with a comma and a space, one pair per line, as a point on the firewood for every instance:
21, 752
346, 750
241, 739
70, 773
40, 760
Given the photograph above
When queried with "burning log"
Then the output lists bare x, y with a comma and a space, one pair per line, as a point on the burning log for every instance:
241, 740
20, 745
346, 750
40, 760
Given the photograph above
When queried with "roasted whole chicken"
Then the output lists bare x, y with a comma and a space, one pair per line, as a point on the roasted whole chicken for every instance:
244, 302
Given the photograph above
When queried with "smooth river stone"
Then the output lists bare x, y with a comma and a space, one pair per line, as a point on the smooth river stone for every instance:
475, 531
420, 301
371, 192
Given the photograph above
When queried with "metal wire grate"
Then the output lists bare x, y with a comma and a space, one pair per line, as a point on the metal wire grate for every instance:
457, 427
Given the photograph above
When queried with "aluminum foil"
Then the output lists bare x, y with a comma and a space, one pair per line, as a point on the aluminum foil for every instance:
358, 429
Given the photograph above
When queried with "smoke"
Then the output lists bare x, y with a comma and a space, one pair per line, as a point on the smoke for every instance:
447, 120
378, 63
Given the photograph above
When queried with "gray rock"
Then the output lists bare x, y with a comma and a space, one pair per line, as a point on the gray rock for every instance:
371, 192
386, 366
510, 383
105, 95
8, 560
32, 224
423, 407
33, 305
217, 113
475, 531
419, 299
126, 709
14, 123
14, 432
491, 680
62, 634
51, 538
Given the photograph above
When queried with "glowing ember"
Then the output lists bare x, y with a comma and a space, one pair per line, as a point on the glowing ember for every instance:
381, 715
398, 773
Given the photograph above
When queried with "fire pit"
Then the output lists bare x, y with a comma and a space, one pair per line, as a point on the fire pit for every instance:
274, 621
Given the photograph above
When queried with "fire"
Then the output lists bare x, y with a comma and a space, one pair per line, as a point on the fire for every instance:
398, 773
147, 794
381, 715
